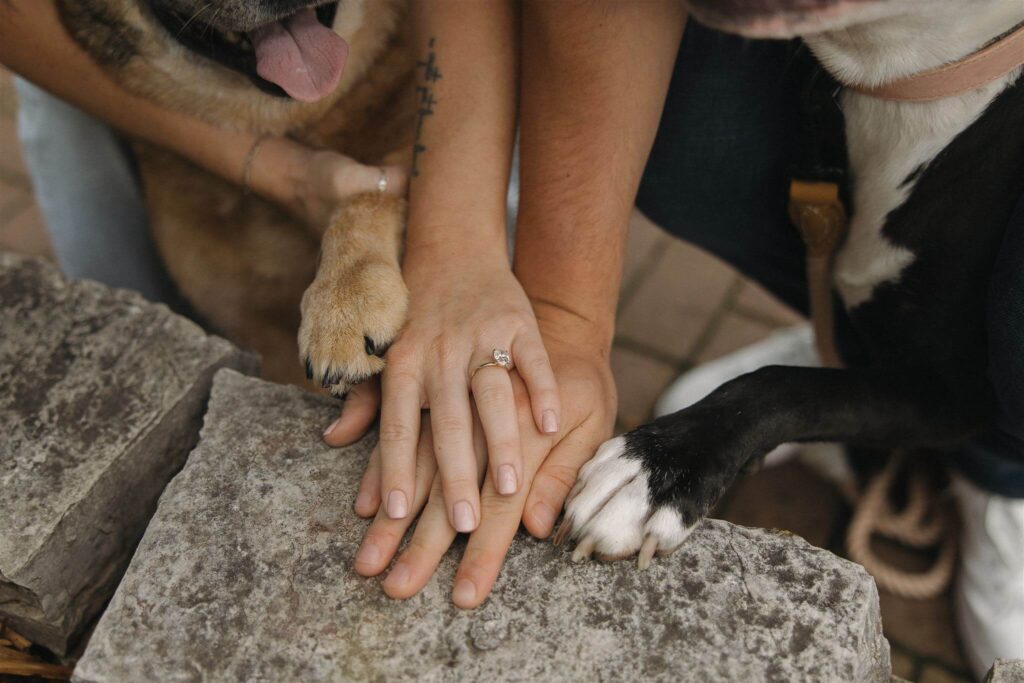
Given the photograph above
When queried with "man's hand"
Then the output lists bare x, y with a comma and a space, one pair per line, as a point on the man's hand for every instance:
550, 463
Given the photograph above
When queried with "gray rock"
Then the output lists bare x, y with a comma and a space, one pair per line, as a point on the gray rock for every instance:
102, 398
244, 575
1006, 671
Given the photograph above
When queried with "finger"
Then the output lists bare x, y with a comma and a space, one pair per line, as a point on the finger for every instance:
396, 180
399, 434
368, 498
350, 178
385, 534
488, 545
496, 407
556, 477
432, 538
451, 420
357, 414
534, 367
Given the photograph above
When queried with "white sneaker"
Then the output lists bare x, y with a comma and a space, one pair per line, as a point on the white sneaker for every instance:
793, 346
990, 584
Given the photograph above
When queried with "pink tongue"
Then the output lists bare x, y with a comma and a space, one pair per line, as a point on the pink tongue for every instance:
301, 55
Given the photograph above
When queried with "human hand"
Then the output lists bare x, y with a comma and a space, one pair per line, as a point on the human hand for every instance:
550, 463
312, 183
460, 310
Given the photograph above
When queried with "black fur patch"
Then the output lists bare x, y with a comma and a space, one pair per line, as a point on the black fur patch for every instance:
110, 40
926, 382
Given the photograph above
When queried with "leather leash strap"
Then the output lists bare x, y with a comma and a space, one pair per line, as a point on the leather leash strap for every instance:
818, 213
979, 69
817, 210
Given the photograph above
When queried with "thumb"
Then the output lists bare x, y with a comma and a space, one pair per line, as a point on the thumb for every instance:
360, 410
556, 477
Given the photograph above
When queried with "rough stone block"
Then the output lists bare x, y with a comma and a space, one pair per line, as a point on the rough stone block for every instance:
1006, 671
244, 575
102, 400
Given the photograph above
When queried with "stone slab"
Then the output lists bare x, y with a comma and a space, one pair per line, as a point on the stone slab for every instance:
244, 575
102, 399
1006, 671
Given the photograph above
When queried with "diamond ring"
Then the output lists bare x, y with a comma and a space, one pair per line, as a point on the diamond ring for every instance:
382, 181
500, 359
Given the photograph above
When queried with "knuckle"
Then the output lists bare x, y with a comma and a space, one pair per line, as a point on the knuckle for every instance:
491, 506
420, 547
480, 562
383, 536
559, 476
491, 395
448, 424
443, 350
400, 374
460, 485
392, 432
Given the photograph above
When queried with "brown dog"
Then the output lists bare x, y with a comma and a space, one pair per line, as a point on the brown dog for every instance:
242, 262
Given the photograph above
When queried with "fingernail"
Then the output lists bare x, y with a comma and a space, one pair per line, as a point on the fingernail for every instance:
398, 577
363, 501
398, 506
544, 515
465, 521
549, 422
507, 482
464, 593
330, 427
368, 554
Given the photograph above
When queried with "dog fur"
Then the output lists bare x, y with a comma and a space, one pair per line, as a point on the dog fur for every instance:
243, 263
934, 185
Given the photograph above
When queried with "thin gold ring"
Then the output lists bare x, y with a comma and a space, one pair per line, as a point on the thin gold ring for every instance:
249, 158
500, 358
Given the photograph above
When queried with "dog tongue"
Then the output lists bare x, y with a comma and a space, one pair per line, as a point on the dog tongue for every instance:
301, 55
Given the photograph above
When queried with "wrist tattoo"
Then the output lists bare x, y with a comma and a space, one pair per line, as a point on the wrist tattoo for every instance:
428, 75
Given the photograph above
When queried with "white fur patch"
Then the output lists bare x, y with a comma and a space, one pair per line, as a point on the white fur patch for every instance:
610, 513
349, 18
888, 141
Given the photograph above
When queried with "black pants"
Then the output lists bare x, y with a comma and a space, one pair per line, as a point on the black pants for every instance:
718, 177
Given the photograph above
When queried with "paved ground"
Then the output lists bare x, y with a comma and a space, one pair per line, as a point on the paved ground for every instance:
679, 307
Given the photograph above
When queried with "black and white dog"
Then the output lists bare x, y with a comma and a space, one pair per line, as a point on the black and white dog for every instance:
934, 185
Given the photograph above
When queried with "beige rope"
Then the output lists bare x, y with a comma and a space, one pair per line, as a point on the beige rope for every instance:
923, 524
817, 211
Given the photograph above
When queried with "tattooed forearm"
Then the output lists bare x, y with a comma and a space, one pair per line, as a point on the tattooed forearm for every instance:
430, 74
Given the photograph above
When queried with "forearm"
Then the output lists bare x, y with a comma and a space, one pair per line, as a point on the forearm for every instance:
595, 74
465, 129
33, 44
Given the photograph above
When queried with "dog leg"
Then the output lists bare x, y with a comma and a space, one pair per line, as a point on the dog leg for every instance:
648, 489
357, 303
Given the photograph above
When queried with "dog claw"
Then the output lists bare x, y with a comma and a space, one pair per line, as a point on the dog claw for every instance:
583, 550
373, 348
309, 369
575, 491
647, 550
563, 532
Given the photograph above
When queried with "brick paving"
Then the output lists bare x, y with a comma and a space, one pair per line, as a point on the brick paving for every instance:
679, 307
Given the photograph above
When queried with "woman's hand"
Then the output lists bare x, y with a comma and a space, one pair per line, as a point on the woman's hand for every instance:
461, 309
312, 183
550, 464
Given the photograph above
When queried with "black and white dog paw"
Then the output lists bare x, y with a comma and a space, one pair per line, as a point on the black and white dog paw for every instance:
646, 491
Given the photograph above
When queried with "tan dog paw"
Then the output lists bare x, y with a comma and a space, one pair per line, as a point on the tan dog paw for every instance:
357, 304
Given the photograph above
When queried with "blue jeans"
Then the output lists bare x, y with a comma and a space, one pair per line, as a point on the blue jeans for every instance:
718, 177
89, 195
